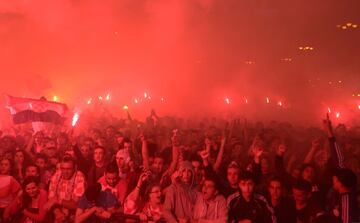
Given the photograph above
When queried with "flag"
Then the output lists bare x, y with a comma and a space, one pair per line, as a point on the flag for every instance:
25, 110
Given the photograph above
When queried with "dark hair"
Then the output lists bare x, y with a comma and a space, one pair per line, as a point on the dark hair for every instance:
346, 177
246, 175
213, 179
25, 197
112, 168
93, 192
42, 156
127, 140
68, 159
148, 190
302, 185
99, 147
276, 179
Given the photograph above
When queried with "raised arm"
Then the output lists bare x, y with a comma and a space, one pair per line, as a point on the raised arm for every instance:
314, 147
336, 152
220, 153
144, 152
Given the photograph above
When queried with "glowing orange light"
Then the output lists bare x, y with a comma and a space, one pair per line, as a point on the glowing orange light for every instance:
125, 107
55, 98
145, 95
246, 100
267, 100
280, 103
227, 100
136, 101
329, 110
75, 119
100, 98
89, 101
337, 114
108, 97
359, 107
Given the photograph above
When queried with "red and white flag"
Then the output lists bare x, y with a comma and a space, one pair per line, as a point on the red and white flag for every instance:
25, 110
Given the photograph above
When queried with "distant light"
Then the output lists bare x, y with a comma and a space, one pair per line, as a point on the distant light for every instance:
116, 32
227, 100
330, 82
338, 26
359, 106
246, 100
301, 48
344, 27
55, 98
267, 100
89, 101
145, 95
75, 119
125, 107
358, 94
136, 101
280, 103
108, 97
311, 48
349, 24
340, 82
354, 26
162, 99
329, 110
337, 114
31, 106
100, 98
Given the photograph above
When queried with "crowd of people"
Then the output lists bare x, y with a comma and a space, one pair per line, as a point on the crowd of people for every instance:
170, 170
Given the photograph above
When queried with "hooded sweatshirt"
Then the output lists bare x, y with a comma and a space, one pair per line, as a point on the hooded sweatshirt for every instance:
214, 211
180, 198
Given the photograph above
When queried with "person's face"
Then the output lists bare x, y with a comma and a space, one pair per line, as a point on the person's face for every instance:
308, 174
50, 144
98, 155
32, 189
109, 132
120, 162
295, 173
51, 152
67, 170
246, 187
336, 183
19, 157
233, 176
264, 166
275, 190
111, 179
157, 165
85, 150
186, 176
127, 145
40, 162
5, 167
196, 165
31, 171
120, 140
155, 195
300, 197
39, 138
209, 190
